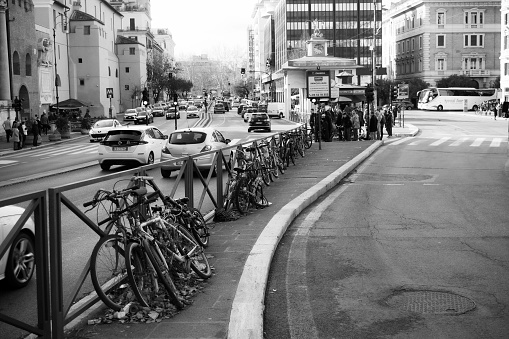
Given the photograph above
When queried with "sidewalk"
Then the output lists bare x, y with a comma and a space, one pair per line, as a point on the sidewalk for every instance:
231, 304
8, 147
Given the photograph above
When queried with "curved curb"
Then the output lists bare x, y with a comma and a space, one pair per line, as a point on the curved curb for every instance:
246, 317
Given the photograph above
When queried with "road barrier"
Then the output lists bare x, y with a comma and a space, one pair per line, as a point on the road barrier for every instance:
54, 311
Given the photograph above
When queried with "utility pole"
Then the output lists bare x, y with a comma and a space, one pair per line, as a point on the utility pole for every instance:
373, 76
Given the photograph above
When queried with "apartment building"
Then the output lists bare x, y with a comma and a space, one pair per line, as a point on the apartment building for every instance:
504, 53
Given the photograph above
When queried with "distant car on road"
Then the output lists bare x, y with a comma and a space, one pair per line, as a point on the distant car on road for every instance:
101, 128
131, 145
172, 113
131, 114
144, 117
219, 108
192, 112
158, 110
246, 113
259, 121
17, 266
190, 141
406, 104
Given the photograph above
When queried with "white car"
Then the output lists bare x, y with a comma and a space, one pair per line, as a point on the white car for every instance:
131, 145
185, 142
192, 112
131, 114
18, 264
101, 127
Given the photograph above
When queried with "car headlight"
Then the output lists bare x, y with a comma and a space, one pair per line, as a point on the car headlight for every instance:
165, 150
206, 148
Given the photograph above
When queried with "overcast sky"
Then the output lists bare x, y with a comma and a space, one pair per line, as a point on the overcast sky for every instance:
206, 26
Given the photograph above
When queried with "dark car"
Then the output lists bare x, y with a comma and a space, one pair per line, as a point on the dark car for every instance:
259, 121
144, 117
219, 108
406, 104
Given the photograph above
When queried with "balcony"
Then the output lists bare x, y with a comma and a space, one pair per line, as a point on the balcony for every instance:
476, 72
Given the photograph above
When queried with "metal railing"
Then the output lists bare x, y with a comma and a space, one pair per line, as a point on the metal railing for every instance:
55, 311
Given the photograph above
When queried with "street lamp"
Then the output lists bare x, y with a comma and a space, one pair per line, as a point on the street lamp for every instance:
57, 78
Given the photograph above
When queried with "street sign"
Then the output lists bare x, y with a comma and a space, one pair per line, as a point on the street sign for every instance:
109, 93
403, 91
318, 84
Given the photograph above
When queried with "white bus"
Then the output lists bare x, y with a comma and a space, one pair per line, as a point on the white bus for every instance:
454, 98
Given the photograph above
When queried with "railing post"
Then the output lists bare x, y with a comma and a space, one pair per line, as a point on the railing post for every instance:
188, 181
55, 259
219, 179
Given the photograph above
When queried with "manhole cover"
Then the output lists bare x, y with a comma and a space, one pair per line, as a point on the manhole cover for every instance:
431, 302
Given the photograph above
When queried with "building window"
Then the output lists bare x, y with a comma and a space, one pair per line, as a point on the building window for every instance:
86, 30
473, 63
506, 17
82, 82
506, 69
109, 71
473, 40
420, 65
474, 18
440, 64
127, 69
440, 40
28, 65
15, 64
505, 41
126, 87
420, 42
132, 51
441, 19
80, 60
413, 44
116, 72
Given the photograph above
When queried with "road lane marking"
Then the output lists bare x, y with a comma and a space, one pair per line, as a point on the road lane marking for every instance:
92, 149
398, 142
440, 141
496, 142
477, 142
458, 142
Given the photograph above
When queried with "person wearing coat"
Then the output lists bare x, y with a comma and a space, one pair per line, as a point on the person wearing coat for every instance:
35, 131
373, 126
388, 123
15, 135
355, 125
347, 127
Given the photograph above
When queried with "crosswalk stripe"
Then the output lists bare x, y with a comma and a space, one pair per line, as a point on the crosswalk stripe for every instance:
496, 142
60, 150
477, 142
458, 142
398, 142
40, 151
416, 142
87, 150
440, 141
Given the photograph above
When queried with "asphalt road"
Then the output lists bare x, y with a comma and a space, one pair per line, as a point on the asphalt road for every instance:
413, 244
77, 239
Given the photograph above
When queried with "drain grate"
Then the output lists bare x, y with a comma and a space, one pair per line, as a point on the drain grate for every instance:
431, 302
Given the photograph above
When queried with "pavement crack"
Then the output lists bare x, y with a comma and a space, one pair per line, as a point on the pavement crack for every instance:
485, 255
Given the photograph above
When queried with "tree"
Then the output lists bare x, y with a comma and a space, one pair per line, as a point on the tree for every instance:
456, 80
158, 68
243, 88
415, 85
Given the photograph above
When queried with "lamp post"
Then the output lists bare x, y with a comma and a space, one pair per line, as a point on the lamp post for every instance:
57, 79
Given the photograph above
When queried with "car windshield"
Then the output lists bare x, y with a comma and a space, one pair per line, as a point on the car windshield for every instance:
192, 108
182, 138
256, 116
142, 114
131, 111
123, 135
103, 123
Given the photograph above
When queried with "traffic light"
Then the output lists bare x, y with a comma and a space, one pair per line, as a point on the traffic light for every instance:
369, 93
175, 98
243, 71
144, 95
16, 104
170, 75
394, 92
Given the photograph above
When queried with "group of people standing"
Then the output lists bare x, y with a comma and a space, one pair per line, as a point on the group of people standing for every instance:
19, 130
352, 124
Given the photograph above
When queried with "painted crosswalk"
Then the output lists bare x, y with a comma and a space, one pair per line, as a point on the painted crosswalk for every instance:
492, 142
54, 151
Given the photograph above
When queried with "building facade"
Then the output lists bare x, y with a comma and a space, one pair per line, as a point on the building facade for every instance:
432, 40
504, 52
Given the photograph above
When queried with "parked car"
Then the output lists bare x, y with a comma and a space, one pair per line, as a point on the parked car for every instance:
101, 128
191, 141
262, 108
130, 114
131, 145
219, 108
158, 110
192, 112
172, 113
406, 104
246, 114
144, 117
17, 266
259, 121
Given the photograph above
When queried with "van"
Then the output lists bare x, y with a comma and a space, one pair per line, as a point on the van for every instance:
276, 109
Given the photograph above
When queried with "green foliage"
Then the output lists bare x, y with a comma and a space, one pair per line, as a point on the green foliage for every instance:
85, 123
456, 80
62, 124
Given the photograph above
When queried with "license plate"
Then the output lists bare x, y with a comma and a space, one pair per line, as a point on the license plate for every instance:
259, 122
120, 148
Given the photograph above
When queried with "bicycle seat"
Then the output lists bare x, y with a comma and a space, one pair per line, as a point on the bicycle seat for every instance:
239, 169
182, 201
250, 149
139, 191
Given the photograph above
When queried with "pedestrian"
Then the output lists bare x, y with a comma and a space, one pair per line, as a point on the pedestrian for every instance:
20, 130
339, 126
347, 126
373, 122
7, 125
15, 135
328, 125
496, 109
505, 109
381, 124
394, 114
44, 123
35, 131
388, 123
355, 126
25, 132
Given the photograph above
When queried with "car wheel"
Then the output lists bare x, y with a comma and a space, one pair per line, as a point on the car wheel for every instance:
269, 130
21, 262
165, 173
150, 159
248, 130
105, 167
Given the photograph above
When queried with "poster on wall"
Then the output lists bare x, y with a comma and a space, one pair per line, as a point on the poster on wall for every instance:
318, 84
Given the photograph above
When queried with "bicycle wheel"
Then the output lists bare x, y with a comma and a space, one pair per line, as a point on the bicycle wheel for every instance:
199, 227
142, 277
259, 199
273, 167
308, 139
300, 148
192, 250
264, 172
108, 270
241, 196
163, 273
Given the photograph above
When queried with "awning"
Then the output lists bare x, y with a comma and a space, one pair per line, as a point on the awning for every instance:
71, 104
343, 99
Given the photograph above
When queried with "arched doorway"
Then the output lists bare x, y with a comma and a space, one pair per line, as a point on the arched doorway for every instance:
25, 103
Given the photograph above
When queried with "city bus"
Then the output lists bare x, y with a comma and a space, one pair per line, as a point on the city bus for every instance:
454, 98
